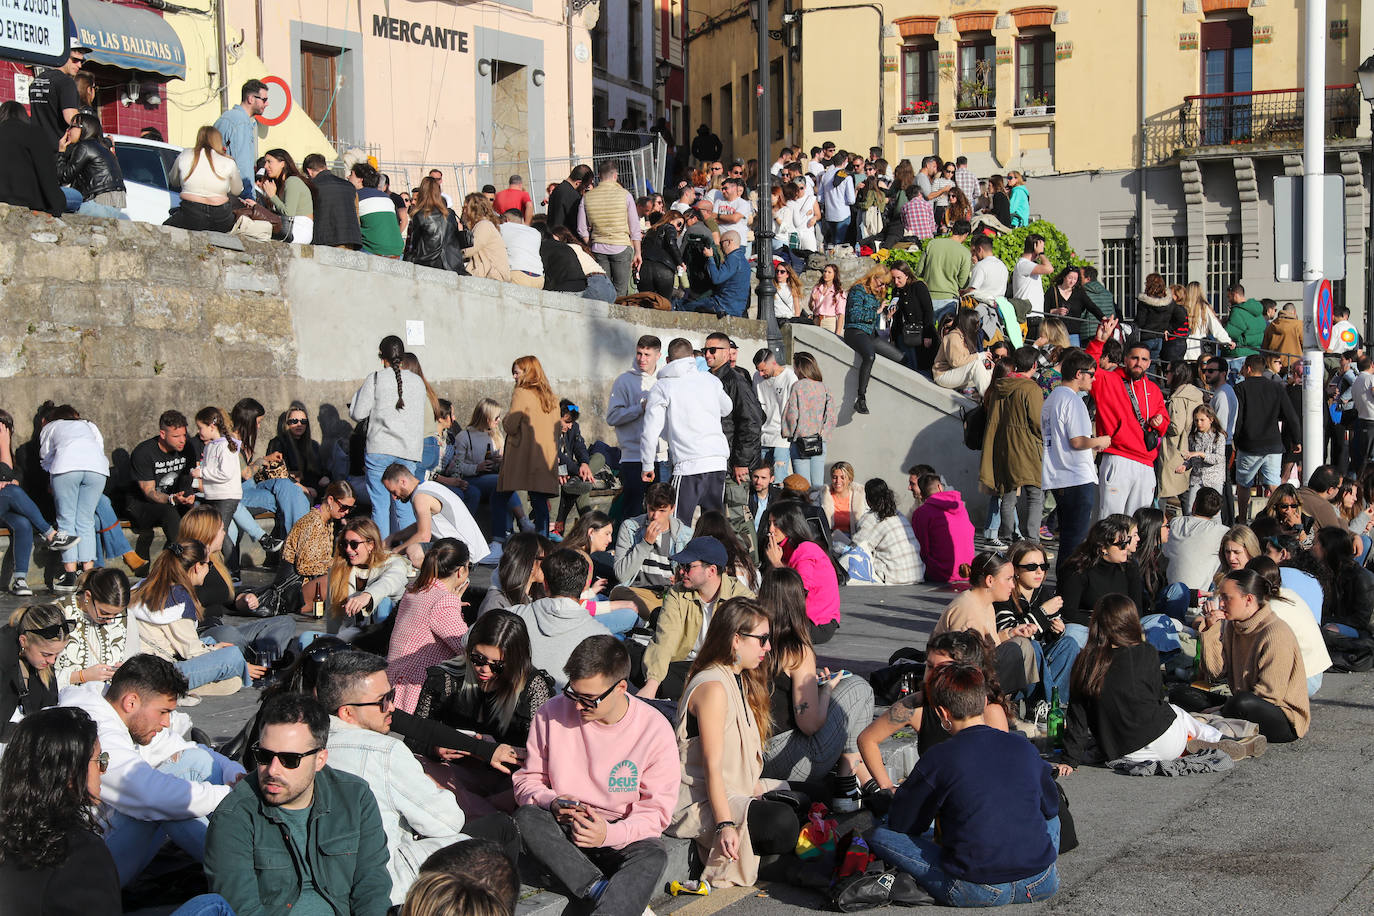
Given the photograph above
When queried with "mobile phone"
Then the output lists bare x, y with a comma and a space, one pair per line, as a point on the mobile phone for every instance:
564, 804
832, 676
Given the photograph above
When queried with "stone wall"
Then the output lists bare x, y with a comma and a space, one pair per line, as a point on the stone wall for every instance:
125, 320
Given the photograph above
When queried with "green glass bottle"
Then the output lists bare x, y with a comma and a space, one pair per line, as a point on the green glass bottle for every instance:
1054, 724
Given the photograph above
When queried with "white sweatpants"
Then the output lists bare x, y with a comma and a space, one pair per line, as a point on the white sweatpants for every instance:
1124, 486
1174, 741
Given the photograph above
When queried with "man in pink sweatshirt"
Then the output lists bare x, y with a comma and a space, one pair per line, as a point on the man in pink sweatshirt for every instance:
599, 784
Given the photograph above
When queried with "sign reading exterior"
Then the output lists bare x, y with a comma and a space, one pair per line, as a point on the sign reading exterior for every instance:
416, 33
34, 30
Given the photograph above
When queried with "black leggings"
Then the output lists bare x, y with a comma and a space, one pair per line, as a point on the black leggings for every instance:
656, 278
773, 827
868, 346
1273, 723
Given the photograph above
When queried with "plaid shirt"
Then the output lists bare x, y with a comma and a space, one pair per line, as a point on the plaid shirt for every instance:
894, 557
918, 218
967, 182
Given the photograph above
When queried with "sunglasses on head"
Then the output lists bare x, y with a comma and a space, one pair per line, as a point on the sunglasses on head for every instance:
479, 660
589, 703
56, 631
289, 759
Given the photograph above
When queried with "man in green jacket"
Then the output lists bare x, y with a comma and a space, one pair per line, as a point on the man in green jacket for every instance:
1246, 322
295, 836
945, 265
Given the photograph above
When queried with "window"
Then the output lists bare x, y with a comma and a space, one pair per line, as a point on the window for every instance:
1119, 273
636, 44
707, 111
320, 69
775, 94
1035, 71
675, 18
1223, 269
727, 123
1171, 260
599, 44
919, 91
977, 89
601, 110
1227, 67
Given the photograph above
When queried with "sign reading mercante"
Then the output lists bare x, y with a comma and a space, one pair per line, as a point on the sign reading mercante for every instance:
34, 30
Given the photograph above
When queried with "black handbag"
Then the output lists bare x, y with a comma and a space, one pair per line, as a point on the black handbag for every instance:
281, 597
911, 330
810, 446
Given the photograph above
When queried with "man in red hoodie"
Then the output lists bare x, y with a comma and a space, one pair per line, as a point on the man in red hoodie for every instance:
1128, 405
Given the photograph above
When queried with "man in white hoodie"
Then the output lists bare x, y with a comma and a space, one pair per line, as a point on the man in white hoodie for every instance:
158, 785
556, 624
773, 383
625, 411
689, 404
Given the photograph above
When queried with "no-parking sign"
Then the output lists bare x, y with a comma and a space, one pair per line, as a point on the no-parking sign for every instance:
278, 100
1325, 321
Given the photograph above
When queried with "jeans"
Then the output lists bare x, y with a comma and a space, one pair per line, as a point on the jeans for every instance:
619, 621
429, 457
76, 494
1075, 515
618, 268
91, 208
631, 872
133, 843
779, 457
835, 233
266, 639
1077, 632
388, 514
943, 307
812, 468
110, 540
205, 905
868, 346
921, 858
599, 288
23, 518
280, 495
1056, 664
539, 508
215, 665
485, 486
1035, 508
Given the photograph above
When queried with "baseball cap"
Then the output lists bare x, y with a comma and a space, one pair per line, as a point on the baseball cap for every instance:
705, 549
76, 45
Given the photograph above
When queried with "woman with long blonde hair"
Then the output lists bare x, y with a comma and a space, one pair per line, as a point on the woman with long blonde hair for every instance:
1203, 323
487, 255
365, 580
531, 456
209, 183
723, 722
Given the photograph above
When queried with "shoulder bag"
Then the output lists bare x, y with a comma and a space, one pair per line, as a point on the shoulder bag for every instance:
1150, 434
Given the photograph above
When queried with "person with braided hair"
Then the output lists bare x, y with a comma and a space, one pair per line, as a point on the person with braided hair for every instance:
393, 404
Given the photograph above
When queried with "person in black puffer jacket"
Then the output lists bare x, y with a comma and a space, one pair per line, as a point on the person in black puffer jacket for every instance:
1348, 609
86, 163
431, 231
1152, 312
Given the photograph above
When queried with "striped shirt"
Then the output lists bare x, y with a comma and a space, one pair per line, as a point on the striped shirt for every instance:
380, 227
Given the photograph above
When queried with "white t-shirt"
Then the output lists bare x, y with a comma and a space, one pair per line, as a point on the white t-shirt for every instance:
741, 206
1026, 285
1064, 417
707, 609
522, 248
1343, 337
988, 279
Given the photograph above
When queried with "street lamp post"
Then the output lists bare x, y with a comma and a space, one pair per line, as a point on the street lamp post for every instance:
1366, 75
763, 235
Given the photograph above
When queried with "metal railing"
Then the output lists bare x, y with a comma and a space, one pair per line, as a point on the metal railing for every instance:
1263, 117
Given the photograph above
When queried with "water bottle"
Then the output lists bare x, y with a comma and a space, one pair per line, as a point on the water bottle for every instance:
1054, 725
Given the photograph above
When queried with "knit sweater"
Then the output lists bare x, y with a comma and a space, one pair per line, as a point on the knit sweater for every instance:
1260, 655
1081, 591
1128, 714
969, 611
392, 430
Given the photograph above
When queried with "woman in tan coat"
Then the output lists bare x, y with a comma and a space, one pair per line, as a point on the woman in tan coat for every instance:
531, 427
487, 256
724, 720
1185, 398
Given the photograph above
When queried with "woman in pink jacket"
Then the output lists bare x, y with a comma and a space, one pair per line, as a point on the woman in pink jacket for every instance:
827, 300
790, 544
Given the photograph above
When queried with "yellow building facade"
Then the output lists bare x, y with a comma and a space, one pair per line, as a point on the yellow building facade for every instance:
1150, 130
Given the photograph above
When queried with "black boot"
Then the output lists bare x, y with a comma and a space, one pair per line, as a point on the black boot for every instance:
860, 405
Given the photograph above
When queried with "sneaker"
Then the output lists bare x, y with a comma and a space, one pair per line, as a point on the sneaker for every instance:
19, 587
270, 544
526, 526
189, 699
66, 582
61, 540
1045, 533
995, 543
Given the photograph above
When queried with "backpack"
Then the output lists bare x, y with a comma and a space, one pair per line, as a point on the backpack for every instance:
975, 420
877, 887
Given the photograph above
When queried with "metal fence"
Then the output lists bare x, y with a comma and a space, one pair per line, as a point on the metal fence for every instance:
641, 171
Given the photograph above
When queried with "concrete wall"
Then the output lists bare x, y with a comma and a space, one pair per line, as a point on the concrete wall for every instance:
911, 420
125, 320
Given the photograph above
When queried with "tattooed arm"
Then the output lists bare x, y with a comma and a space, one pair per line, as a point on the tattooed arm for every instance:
810, 701
905, 713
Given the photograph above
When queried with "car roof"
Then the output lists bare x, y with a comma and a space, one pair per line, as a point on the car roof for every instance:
143, 141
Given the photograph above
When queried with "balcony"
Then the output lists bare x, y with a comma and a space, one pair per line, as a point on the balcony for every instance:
919, 113
1265, 118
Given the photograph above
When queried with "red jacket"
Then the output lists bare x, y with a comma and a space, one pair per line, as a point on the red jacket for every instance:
1115, 417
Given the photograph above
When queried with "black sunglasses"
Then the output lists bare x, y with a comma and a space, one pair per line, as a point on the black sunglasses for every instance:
713, 349
386, 700
296, 422
763, 638
289, 759
56, 631
481, 661
589, 703
1032, 567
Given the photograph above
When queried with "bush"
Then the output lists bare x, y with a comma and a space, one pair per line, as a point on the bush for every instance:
1009, 247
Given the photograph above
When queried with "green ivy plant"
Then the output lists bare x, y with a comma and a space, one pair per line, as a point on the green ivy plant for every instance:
1009, 247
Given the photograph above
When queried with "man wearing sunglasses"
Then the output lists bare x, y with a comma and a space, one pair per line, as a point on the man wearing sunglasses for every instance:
419, 817
238, 127
1131, 410
53, 96
159, 786
297, 836
600, 783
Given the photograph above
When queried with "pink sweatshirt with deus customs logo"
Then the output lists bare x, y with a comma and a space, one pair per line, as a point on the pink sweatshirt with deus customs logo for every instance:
629, 772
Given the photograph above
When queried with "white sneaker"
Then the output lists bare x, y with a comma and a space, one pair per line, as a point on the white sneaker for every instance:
189, 700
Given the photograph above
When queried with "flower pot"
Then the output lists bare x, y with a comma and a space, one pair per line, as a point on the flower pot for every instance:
1035, 111
923, 117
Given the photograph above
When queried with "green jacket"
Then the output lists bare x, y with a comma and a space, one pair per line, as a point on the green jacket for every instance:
249, 858
1246, 324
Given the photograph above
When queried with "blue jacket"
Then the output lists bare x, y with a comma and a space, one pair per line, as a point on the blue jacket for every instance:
238, 130
730, 283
